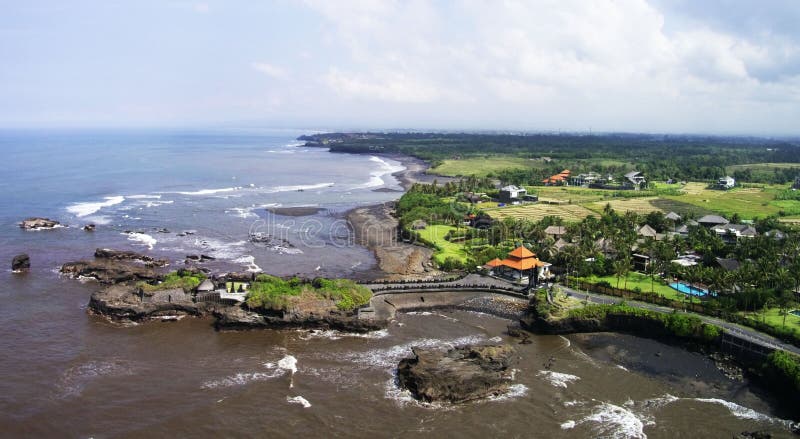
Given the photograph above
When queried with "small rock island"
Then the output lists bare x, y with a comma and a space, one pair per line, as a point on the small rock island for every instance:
458, 375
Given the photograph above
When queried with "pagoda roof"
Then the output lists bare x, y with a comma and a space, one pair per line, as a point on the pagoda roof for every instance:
521, 253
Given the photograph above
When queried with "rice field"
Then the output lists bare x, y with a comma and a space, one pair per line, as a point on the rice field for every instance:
535, 212
643, 205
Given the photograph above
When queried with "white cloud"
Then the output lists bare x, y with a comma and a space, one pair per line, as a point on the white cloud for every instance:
270, 70
582, 60
202, 8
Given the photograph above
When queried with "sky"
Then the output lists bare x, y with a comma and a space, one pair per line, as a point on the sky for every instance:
665, 66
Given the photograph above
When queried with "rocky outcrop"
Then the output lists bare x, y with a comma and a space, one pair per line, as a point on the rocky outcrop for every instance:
129, 303
240, 317
21, 263
125, 255
89, 227
39, 224
458, 375
111, 271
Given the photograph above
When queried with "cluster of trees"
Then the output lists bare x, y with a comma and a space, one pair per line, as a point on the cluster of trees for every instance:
660, 157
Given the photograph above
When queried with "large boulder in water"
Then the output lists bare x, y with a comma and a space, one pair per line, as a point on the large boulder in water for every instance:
21, 263
109, 271
458, 375
39, 224
125, 255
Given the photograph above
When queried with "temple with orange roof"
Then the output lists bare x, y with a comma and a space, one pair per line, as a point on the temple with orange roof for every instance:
560, 178
519, 265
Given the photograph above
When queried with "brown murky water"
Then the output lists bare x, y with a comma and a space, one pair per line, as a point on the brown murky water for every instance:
67, 374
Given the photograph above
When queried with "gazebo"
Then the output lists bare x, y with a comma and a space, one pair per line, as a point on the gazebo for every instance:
519, 265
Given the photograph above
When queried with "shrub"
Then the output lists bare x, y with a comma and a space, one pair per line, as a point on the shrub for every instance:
274, 293
176, 279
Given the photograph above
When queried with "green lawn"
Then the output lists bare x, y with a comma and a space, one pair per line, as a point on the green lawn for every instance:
773, 318
482, 166
435, 234
642, 281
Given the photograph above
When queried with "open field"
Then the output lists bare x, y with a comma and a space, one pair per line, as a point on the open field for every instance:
535, 212
481, 166
573, 194
747, 202
435, 234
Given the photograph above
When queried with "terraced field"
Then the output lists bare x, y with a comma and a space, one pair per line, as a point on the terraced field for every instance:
535, 212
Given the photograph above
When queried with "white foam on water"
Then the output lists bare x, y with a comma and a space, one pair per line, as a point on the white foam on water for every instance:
143, 197
241, 212
250, 262
289, 363
615, 422
98, 219
568, 425
387, 358
241, 379
85, 209
142, 238
306, 187
332, 334
208, 191
402, 397
376, 176
742, 412
156, 203
619, 366
77, 377
557, 379
514, 391
298, 400
220, 249
496, 339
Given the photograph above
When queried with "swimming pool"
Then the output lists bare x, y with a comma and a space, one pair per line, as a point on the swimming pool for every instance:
688, 289
795, 312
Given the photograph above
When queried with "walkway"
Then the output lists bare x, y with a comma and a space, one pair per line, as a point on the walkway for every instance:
742, 332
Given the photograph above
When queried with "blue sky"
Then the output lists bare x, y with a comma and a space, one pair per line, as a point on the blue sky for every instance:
723, 66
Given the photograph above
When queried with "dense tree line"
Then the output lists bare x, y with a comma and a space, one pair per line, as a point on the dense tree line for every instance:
660, 157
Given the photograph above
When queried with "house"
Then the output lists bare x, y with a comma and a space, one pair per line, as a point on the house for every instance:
482, 221
683, 230
634, 180
640, 262
672, 216
726, 183
555, 232
735, 230
728, 264
519, 265
511, 193
775, 234
647, 232
712, 220
586, 179
561, 244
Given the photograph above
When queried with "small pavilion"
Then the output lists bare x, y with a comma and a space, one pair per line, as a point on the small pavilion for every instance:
518, 266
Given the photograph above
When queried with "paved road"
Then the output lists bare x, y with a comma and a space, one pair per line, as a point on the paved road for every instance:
743, 332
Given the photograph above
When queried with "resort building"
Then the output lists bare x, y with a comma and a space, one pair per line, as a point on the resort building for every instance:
726, 183
512, 194
558, 179
555, 232
518, 266
634, 180
712, 221
735, 230
586, 179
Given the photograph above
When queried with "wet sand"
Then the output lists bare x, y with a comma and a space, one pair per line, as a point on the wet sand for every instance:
375, 228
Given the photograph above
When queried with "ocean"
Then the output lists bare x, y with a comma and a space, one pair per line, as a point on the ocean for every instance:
66, 373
